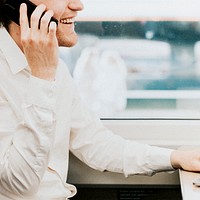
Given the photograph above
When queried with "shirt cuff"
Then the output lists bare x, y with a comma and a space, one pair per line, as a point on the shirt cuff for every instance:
145, 159
41, 93
159, 159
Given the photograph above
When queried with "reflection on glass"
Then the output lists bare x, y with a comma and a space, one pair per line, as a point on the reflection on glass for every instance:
162, 64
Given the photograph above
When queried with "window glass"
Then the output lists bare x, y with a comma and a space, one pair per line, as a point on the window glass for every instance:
138, 58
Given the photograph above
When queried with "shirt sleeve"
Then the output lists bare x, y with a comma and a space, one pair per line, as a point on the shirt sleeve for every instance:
103, 150
24, 153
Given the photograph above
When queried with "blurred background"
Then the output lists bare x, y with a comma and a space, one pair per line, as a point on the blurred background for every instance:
138, 58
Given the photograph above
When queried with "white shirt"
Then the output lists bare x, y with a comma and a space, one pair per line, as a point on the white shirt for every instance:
41, 121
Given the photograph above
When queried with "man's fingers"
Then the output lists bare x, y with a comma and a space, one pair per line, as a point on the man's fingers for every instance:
45, 22
52, 30
23, 19
36, 16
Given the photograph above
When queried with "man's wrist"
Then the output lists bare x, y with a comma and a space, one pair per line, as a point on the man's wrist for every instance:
46, 74
175, 159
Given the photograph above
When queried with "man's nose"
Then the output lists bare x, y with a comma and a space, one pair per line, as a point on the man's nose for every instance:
76, 5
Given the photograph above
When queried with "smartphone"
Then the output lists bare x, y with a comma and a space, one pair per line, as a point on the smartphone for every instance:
12, 9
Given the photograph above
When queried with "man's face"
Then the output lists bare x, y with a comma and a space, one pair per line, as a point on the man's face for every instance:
64, 11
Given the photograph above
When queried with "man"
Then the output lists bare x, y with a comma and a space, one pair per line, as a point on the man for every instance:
42, 116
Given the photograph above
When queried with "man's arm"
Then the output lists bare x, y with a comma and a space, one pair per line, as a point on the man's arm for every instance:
99, 148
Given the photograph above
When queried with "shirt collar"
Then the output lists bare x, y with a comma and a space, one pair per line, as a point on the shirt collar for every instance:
13, 54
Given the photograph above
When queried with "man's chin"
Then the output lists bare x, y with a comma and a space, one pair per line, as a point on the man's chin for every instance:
68, 42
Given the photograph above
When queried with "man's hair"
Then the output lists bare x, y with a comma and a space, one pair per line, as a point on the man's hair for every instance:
4, 17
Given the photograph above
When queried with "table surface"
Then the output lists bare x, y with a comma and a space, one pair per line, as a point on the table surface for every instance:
188, 189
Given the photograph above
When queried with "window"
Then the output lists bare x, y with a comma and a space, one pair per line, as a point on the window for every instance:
138, 58
157, 43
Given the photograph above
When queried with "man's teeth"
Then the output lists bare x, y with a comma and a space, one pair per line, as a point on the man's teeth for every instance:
67, 21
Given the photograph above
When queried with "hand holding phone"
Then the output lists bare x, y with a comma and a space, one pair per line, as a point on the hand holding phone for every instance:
40, 46
12, 9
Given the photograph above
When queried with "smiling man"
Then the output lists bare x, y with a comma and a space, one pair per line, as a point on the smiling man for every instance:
43, 118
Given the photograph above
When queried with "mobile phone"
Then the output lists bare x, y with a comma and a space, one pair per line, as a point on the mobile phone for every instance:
12, 9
